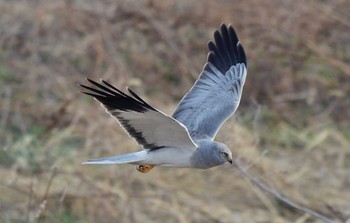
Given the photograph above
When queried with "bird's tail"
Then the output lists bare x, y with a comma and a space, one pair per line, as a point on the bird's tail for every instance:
133, 158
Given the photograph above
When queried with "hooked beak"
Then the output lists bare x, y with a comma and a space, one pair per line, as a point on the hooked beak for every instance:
229, 160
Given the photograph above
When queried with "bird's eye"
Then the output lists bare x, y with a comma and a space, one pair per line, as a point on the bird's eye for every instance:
223, 154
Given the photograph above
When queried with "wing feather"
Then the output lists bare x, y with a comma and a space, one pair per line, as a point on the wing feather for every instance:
216, 94
148, 126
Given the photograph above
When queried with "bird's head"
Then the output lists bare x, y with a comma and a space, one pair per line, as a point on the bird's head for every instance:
224, 153
210, 153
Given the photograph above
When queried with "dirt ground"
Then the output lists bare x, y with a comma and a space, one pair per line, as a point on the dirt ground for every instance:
291, 131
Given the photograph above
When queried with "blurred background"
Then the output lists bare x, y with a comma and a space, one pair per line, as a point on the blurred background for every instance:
291, 130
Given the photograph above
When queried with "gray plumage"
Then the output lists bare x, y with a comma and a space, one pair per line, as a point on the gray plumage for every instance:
184, 139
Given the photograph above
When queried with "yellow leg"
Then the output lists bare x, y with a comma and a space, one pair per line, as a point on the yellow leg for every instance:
144, 168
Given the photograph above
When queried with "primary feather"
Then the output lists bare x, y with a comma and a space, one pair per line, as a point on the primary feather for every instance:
149, 127
216, 94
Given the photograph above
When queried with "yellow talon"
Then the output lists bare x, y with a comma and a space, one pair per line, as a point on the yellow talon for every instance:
144, 168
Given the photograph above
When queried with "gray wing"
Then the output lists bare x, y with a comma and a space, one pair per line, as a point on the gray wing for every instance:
148, 126
216, 94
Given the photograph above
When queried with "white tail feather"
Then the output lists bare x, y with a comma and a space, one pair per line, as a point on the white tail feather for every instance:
121, 159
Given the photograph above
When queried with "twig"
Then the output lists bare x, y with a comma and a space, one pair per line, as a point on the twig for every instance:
277, 195
44, 200
29, 200
257, 116
6, 108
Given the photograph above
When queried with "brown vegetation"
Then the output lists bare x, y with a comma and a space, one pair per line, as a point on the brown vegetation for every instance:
291, 130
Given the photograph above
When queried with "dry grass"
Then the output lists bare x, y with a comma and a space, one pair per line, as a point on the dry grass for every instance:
291, 130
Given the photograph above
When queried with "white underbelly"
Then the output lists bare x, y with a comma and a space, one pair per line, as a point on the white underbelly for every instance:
171, 157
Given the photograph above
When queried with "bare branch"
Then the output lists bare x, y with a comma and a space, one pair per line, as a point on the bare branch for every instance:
278, 195
42, 207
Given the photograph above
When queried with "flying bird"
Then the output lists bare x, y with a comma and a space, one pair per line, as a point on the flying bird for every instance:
185, 139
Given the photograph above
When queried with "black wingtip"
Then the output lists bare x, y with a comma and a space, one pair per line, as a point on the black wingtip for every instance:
226, 50
223, 27
139, 99
92, 82
114, 99
242, 55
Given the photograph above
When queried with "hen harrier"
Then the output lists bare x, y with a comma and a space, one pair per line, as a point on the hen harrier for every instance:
184, 139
